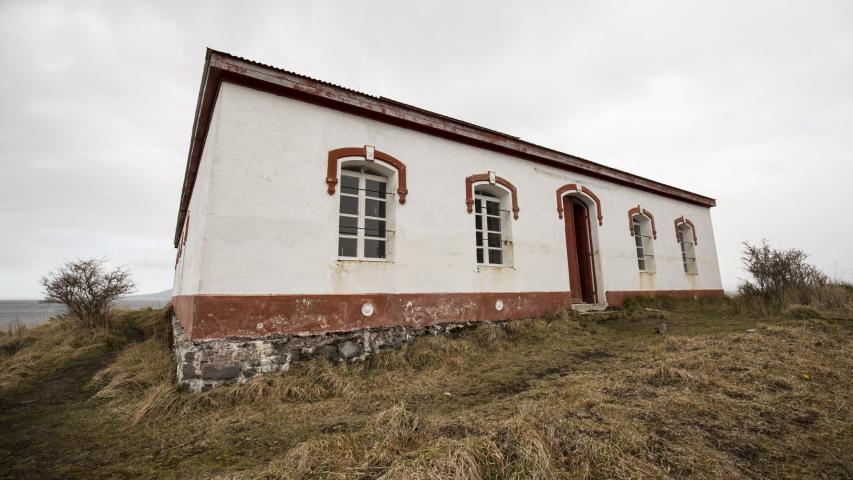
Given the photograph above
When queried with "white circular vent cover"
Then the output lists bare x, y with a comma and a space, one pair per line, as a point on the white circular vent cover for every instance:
499, 305
367, 309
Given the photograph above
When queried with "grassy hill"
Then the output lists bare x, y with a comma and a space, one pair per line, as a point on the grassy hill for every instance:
726, 393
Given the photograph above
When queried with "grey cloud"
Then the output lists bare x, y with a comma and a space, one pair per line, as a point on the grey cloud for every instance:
748, 102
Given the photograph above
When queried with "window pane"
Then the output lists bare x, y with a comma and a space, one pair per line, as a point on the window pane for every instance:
493, 208
479, 238
478, 205
374, 208
478, 222
495, 257
494, 224
495, 240
347, 247
374, 188
374, 248
374, 228
348, 225
349, 205
349, 185
479, 255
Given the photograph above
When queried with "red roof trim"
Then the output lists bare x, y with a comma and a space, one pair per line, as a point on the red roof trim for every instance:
221, 67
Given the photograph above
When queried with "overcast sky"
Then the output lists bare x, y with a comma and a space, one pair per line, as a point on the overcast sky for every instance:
747, 102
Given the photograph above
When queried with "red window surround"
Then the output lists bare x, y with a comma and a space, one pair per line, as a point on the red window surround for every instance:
370, 154
680, 220
641, 211
486, 177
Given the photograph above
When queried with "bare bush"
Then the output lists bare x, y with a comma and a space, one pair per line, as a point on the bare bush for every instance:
776, 271
88, 289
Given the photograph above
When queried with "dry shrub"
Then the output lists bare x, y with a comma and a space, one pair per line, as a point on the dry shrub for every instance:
775, 271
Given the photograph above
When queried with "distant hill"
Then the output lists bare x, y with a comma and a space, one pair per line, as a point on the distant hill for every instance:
164, 295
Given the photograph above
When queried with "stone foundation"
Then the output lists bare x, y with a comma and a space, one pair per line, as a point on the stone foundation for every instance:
203, 364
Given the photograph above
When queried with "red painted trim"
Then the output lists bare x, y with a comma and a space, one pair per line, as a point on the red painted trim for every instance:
220, 67
681, 220
641, 211
484, 177
617, 298
569, 187
219, 316
338, 153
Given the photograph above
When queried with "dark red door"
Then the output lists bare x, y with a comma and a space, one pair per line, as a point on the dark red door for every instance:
579, 251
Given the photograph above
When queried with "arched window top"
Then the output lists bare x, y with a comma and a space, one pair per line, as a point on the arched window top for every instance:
684, 223
642, 230
370, 155
638, 210
573, 187
493, 185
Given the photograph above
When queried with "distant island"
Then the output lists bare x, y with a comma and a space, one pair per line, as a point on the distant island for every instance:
31, 312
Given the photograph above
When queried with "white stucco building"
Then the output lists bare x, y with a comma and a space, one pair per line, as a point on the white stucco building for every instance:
308, 207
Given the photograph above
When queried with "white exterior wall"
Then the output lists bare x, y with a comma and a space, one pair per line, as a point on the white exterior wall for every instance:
188, 270
262, 222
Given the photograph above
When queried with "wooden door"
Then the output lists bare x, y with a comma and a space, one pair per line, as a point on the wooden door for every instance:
572, 251
579, 251
586, 262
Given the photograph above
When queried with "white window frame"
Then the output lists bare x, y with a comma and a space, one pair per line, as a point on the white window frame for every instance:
643, 243
362, 216
685, 236
482, 233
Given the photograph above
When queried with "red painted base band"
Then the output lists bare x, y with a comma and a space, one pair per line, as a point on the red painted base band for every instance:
617, 298
219, 316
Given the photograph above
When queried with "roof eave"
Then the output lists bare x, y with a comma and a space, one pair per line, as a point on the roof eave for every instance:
220, 66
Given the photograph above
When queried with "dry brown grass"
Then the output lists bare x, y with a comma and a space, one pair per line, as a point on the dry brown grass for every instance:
35, 351
599, 396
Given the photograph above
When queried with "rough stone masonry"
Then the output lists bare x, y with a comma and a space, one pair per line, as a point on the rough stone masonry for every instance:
203, 364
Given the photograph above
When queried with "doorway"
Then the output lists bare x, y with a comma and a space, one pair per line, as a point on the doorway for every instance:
579, 251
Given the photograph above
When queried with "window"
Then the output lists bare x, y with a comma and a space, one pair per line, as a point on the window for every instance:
643, 242
490, 229
688, 249
363, 214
